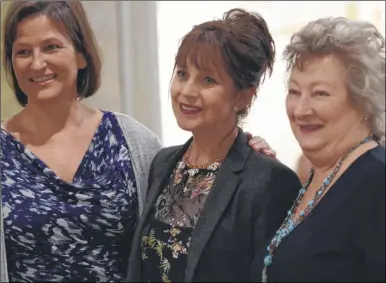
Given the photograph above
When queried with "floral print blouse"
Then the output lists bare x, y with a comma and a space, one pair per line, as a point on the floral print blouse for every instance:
167, 234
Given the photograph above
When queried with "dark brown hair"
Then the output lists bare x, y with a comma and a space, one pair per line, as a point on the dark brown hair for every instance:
240, 43
72, 15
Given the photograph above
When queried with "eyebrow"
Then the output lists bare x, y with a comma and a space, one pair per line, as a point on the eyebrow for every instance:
293, 81
324, 83
315, 83
50, 39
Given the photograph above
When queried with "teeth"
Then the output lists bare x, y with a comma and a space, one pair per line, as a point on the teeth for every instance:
43, 79
189, 108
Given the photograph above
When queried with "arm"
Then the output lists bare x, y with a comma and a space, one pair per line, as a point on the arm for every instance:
371, 231
3, 256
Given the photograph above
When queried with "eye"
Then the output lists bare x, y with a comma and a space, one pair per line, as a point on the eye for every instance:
293, 91
22, 52
181, 74
322, 93
52, 47
209, 80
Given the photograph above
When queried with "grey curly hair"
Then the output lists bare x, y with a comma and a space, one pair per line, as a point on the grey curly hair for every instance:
362, 48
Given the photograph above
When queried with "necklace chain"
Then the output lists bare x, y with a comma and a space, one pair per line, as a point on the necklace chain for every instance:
290, 223
200, 166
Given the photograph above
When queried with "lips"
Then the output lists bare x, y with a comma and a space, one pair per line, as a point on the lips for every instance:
43, 79
309, 128
189, 109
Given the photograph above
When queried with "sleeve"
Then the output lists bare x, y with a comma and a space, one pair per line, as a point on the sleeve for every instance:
3, 256
371, 230
151, 173
282, 189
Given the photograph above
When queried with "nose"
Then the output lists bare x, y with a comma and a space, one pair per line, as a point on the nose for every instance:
303, 107
190, 89
38, 61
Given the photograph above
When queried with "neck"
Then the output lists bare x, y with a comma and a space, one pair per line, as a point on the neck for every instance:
324, 160
50, 117
212, 144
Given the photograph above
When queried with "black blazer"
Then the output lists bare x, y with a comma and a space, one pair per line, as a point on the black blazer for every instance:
247, 203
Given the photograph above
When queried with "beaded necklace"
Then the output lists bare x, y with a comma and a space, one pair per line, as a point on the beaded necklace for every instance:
290, 222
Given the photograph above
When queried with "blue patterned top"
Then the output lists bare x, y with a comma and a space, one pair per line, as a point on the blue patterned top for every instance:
79, 231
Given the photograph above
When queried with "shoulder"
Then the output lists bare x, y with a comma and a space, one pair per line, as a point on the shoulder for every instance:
270, 179
165, 153
378, 155
131, 126
260, 164
139, 137
371, 172
143, 143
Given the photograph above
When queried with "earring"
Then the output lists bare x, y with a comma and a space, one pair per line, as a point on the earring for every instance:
236, 109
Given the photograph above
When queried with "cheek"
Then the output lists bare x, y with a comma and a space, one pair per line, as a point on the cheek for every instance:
219, 104
175, 90
18, 67
290, 105
329, 111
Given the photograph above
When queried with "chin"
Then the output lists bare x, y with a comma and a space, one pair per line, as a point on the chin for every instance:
49, 93
309, 144
188, 126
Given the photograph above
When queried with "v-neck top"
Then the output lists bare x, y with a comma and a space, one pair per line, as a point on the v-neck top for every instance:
78, 231
343, 237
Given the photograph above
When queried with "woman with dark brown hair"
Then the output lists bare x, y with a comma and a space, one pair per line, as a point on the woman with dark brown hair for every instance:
213, 202
72, 176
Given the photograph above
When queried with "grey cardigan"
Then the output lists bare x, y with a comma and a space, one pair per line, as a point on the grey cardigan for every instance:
143, 145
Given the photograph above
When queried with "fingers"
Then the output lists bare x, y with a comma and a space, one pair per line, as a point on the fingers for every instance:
269, 152
258, 143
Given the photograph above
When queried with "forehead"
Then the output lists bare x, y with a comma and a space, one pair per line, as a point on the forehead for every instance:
39, 27
203, 55
326, 69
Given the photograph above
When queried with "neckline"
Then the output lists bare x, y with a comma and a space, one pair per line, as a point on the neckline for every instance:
332, 191
45, 169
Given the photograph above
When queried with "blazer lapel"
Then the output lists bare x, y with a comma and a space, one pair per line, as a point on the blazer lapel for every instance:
218, 199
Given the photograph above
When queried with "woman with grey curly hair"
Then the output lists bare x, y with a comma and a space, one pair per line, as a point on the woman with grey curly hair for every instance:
335, 230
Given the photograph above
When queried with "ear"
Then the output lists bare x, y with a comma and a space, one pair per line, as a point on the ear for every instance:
245, 98
81, 61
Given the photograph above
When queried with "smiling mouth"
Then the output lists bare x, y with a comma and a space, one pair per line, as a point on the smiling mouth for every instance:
44, 79
309, 128
187, 109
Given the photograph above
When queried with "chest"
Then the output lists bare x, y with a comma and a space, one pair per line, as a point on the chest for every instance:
318, 251
64, 154
101, 196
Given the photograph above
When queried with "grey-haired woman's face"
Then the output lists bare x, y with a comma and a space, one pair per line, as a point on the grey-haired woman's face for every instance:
318, 104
